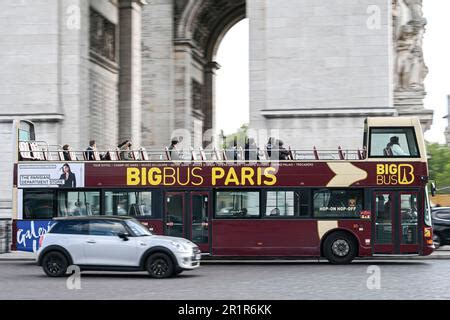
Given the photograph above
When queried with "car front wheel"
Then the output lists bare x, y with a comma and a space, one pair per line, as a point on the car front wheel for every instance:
55, 264
160, 265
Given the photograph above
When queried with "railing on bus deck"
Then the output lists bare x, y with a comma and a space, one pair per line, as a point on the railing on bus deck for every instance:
41, 151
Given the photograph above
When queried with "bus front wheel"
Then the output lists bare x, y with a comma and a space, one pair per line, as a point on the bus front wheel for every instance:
340, 248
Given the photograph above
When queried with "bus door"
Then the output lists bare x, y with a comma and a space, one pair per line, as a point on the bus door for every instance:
395, 222
187, 216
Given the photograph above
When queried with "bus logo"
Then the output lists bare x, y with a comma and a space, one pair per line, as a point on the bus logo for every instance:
395, 174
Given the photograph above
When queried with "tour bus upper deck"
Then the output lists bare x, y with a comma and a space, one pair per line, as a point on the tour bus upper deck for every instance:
387, 138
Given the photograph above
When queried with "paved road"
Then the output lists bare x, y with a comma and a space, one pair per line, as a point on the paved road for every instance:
305, 280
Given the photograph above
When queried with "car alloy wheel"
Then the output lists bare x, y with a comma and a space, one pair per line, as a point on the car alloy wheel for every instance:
159, 265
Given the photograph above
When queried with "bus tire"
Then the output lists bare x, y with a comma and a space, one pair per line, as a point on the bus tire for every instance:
159, 265
340, 248
55, 264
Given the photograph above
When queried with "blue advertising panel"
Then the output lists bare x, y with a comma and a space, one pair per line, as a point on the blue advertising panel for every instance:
29, 232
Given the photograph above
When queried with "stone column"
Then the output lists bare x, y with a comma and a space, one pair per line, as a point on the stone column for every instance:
208, 95
130, 16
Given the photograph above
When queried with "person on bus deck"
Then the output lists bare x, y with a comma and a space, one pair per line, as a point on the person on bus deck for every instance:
125, 150
66, 150
251, 150
283, 154
174, 154
395, 147
90, 150
68, 176
269, 146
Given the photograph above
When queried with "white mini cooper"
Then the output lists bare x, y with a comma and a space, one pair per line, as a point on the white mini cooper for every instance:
113, 244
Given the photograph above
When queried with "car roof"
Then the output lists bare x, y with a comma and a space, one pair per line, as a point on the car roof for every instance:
93, 218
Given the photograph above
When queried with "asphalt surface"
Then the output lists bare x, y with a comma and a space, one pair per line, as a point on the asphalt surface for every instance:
428, 279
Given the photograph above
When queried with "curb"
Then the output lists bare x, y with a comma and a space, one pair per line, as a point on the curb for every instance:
276, 261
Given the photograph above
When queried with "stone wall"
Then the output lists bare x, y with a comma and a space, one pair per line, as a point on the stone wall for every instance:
317, 69
157, 73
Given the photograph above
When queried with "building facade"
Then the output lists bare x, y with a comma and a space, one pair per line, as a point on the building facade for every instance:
111, 70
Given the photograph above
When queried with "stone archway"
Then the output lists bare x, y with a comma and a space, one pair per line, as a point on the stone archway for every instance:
199, 28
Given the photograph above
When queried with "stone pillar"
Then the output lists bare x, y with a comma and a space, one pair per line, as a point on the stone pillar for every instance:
130, 15
208, 96
183, 88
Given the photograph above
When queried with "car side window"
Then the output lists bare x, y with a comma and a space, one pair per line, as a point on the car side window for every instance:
70, 227
106, 228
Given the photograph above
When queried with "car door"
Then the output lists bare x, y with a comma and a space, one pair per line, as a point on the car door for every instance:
71, 235
103, 247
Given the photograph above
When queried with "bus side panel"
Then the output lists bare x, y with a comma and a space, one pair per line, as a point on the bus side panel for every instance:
361, 229
155, 226
265, 237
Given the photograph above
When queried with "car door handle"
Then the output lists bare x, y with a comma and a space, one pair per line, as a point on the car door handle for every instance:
91, 241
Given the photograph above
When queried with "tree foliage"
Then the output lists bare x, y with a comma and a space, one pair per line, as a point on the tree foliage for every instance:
439, 165
237, 138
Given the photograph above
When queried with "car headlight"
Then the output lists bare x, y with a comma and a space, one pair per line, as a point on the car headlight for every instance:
180, 246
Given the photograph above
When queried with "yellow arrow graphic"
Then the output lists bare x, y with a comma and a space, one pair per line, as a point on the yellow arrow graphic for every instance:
346, 174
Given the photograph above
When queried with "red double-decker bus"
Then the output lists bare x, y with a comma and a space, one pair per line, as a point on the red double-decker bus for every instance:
339, 204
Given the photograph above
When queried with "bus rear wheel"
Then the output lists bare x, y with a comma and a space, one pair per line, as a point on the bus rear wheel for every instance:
340, 248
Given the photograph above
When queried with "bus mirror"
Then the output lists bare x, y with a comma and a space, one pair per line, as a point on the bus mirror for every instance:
433, 189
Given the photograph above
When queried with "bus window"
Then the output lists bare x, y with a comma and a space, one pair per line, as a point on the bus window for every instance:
280, 203
38, 204
74, 203
128, 203
393, 142
337, 203
286, 204
237, 204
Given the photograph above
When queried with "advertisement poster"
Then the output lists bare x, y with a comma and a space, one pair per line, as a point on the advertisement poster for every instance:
29, 232
51, 175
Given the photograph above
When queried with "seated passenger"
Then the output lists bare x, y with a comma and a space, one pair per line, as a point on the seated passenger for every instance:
66, 151
395, 147
174, 154
275, 212
283, 154
90, 150
125, 150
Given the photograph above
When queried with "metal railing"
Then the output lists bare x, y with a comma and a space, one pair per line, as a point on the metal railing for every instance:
56, 153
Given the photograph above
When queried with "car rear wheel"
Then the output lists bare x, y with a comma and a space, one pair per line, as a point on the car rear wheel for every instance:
339, 248
437, 241
55, 264
160, 265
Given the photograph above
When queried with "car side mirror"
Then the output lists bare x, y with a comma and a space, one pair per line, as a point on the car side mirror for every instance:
124, 236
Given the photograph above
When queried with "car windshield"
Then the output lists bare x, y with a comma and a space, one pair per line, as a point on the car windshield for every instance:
138, 229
